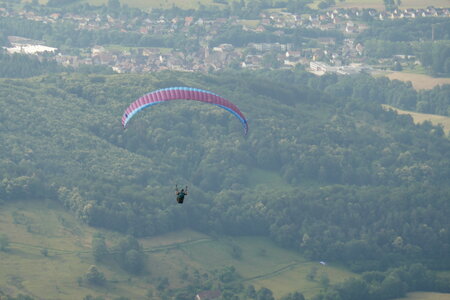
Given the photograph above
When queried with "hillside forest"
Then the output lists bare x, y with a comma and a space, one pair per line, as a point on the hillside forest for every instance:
355, 183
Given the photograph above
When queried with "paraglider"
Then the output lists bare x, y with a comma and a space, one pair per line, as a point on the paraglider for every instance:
181, 194
182, 93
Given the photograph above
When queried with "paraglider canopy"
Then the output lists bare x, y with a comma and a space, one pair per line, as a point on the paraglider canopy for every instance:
182, 93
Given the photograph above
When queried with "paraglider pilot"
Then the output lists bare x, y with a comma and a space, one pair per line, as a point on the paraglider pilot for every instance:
181, 194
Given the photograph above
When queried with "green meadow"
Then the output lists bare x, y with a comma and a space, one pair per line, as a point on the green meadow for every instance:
49, 250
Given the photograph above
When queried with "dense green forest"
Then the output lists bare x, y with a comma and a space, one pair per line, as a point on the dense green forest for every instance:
360, 185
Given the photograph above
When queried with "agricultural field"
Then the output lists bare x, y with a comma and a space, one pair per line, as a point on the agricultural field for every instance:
418, 81
420, 118
426, 296
149, 4
49, 250
378, 4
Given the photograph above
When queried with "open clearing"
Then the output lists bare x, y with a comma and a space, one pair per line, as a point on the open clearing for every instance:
426, 296
378, 4
149, 4
34, 226
418, 81
420, 118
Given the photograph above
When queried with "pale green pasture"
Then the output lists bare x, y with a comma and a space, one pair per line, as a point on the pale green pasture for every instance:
264, 264
259, 255
34, 226
294, 279
268, 179
24, 269
249, 23
177, 237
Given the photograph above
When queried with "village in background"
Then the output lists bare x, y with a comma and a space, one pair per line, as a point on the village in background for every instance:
320, 55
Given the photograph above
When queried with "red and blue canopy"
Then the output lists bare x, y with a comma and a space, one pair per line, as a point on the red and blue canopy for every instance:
182, 93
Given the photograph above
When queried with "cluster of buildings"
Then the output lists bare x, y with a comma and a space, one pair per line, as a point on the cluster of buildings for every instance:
341, 56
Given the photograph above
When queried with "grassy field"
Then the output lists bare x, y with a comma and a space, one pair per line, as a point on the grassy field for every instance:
420, 118
149, 4
267, 179
418, 81
264, 264
426, 296
32, 227
378, 4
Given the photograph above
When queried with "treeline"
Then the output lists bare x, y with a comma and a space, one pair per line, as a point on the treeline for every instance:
393, 92
21, 66
239, 37
426, 39
244, 9
408, 30
24, 66
392, 284
59, 35
361, 185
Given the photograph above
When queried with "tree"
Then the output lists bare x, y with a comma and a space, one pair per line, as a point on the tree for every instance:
94, 276
114, 5
392, 287
44, 251
325, 280
294, 296
312, 273
264, 294
99, 249
4, 242
236, 252
354, 289
251, 292
389, 4
134, 261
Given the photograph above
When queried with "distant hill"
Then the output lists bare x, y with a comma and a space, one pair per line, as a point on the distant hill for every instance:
324, 171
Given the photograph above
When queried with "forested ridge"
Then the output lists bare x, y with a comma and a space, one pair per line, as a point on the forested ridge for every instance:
363, 185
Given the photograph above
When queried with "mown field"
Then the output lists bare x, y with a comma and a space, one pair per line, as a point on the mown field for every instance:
426, 296
33, 227
149, 4
378, 4
418, 81
420, 118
